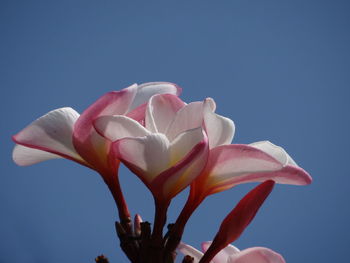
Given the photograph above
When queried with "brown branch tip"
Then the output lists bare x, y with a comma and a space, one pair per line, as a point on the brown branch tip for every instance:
101, 259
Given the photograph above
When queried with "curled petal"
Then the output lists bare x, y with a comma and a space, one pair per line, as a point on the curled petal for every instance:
161, 110
291, 173
190, 251
117, 127
287, 175
148, 155
227, 164
51, 133
187, 118
220, 130
223, 255
93, 147
165, 168
275, 151
138, 114
257, 255
146, 90
27, 156
90, 145
172, 181
231, 254
184, 143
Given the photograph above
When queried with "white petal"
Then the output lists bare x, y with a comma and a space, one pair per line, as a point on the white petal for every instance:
229, 165
257, 255
189, 117
150, 154
229, 250
220, 130
186, 163
161, 110
228, 161
146, 90
27, 156
223, 255
275, 151
52, 133
190, 251
118, 127
184, 143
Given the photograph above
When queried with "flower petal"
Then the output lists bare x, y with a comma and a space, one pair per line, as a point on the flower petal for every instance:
220, 130
51, 133
223, 255
146, 90
257, 255
190, 251
93, 147
138, 114
227, 165
117, 127
275, 151
161, 110
173, 180
238, 219
148, 155
89, 144
287, 175
187, 118
23, 156
290, 174
184, 143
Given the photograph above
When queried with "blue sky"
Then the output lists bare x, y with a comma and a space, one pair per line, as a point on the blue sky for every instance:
279, 69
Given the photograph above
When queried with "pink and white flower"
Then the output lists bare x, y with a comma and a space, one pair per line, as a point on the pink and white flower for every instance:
231, 254
232, 164
229, 165
167, 151
63, 133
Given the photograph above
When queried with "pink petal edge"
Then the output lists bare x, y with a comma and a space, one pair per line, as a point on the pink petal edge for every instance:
258, 255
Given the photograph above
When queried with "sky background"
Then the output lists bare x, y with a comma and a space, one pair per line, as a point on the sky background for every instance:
279, 69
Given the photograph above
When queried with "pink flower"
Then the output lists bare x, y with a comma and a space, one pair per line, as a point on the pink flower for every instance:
231, 254
232, 164
63, 133
167, 151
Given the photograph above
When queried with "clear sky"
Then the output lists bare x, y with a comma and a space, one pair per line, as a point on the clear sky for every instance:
279, 69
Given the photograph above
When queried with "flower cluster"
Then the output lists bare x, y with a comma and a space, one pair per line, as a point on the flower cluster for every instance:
169, 145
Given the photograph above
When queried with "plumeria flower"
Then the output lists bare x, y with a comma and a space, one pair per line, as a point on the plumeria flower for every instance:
229, 165
161, 151
233, 164
63, 133
168, 151
231, 254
